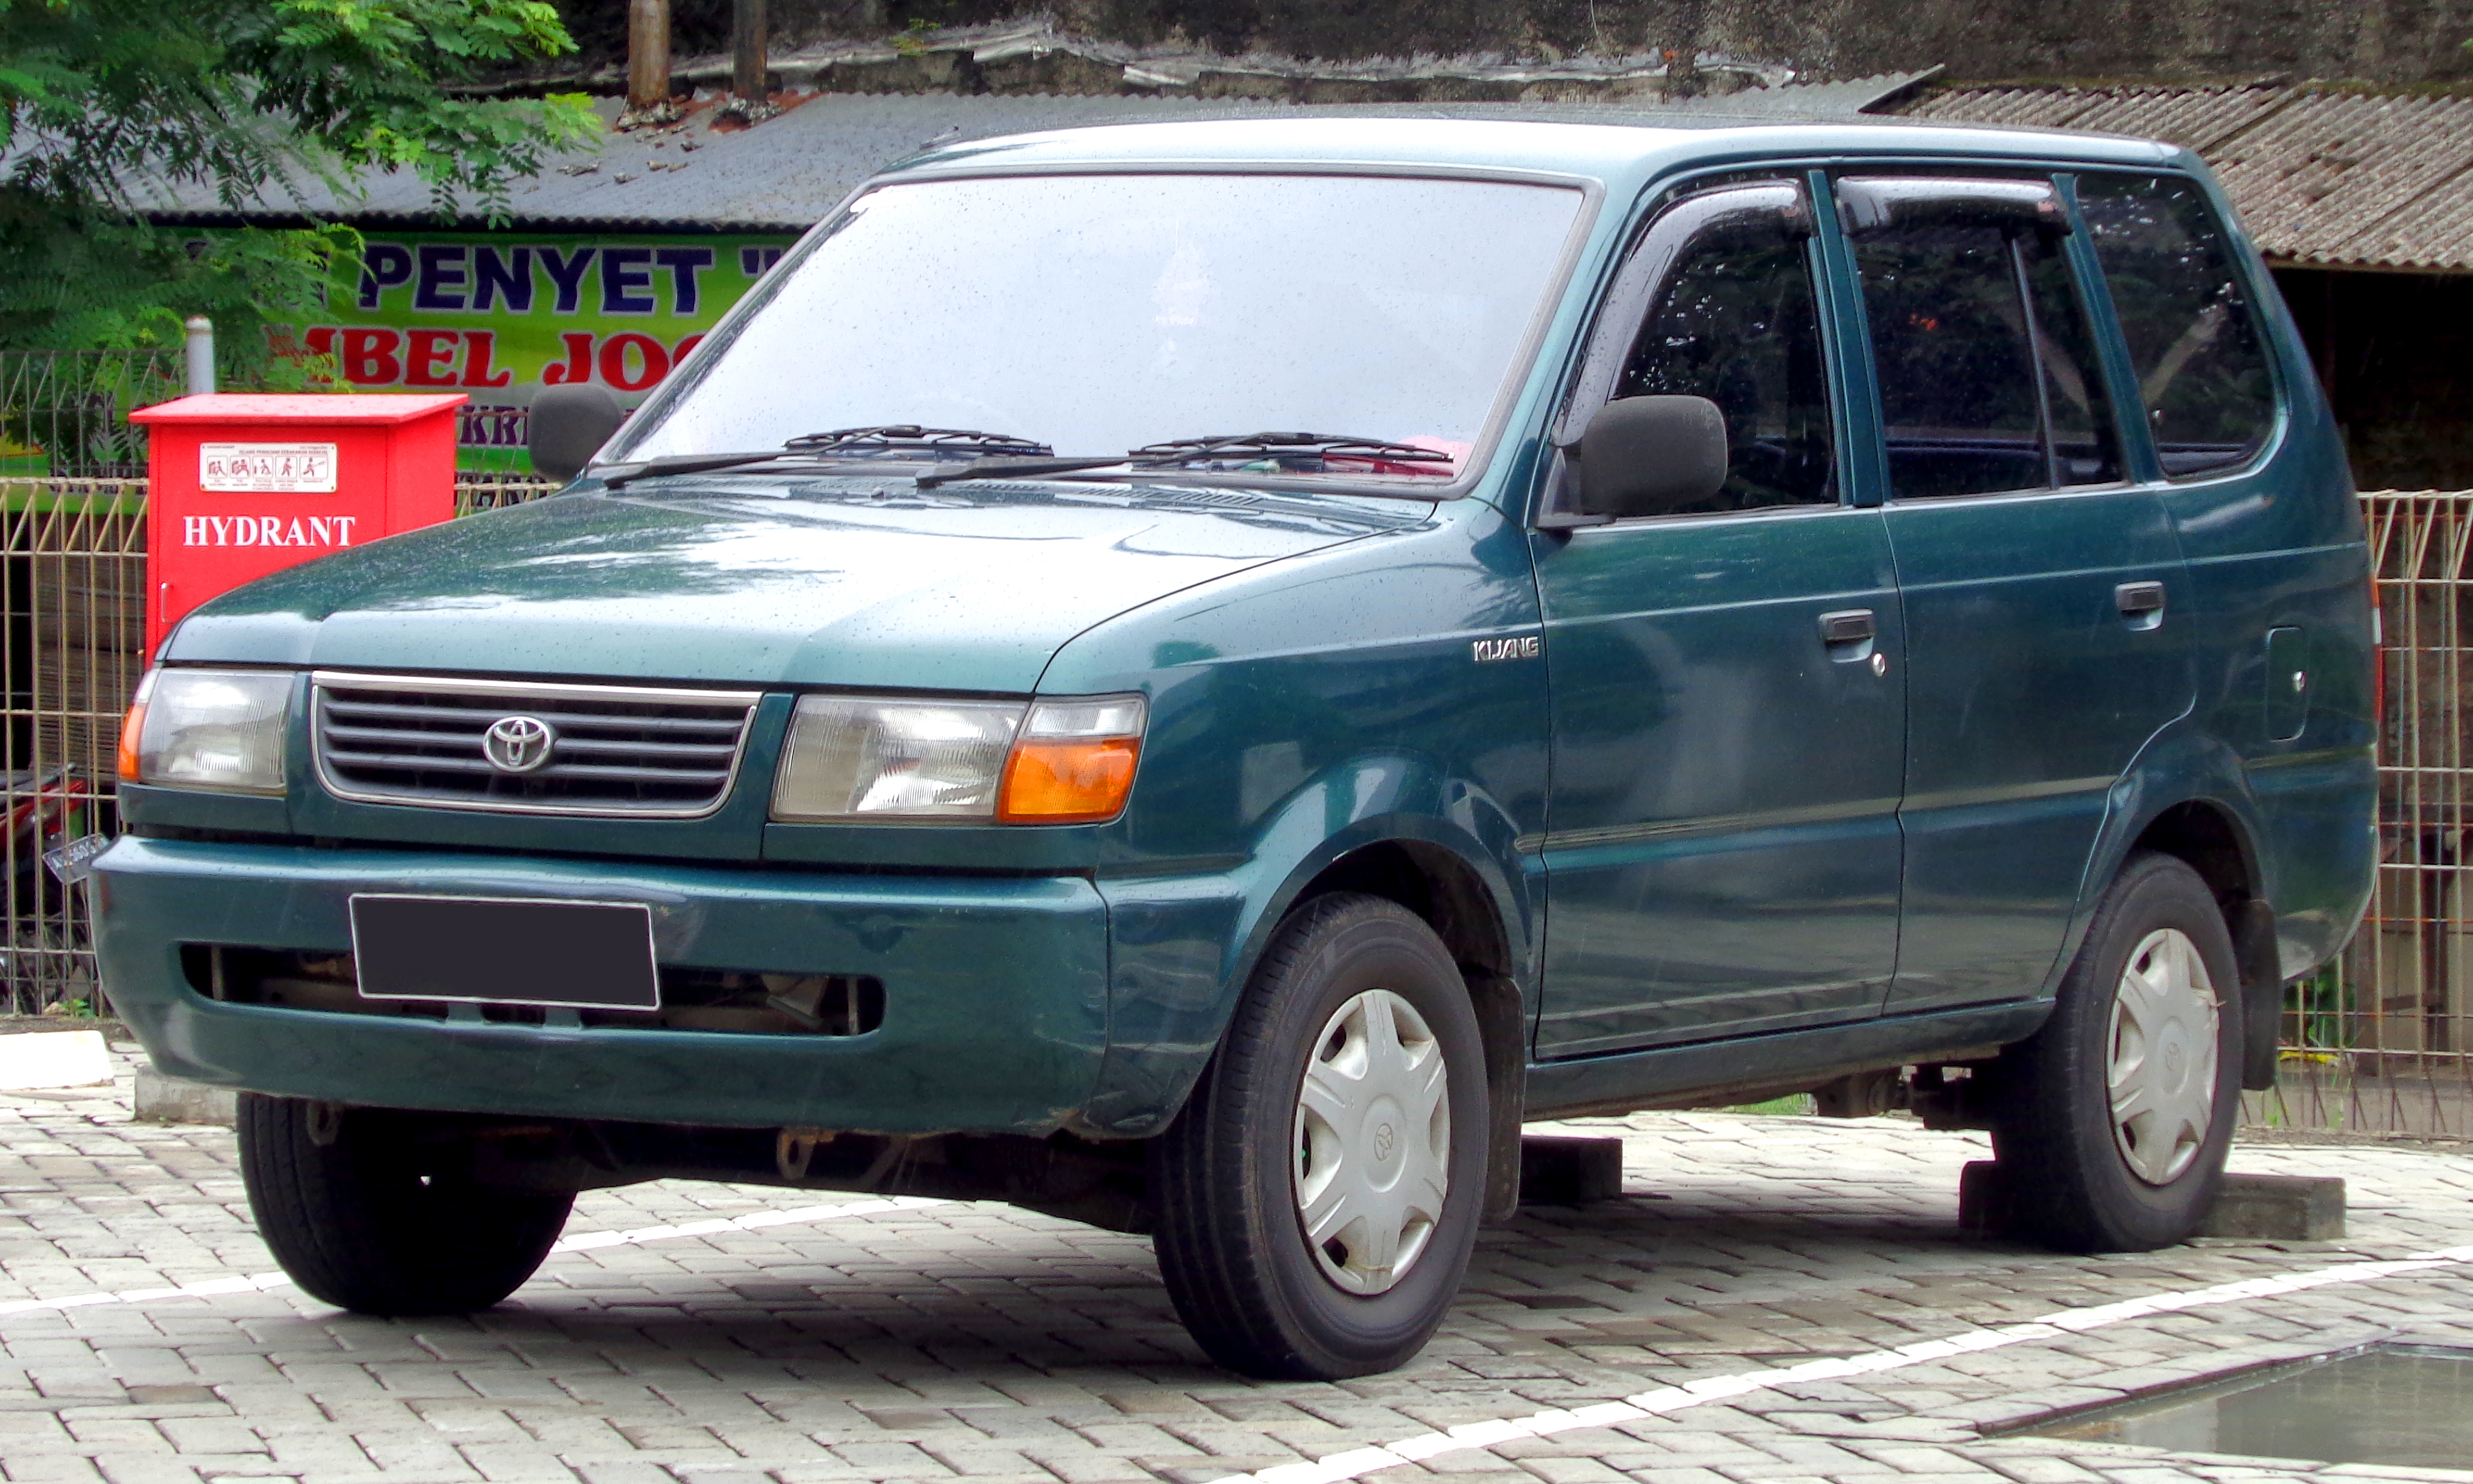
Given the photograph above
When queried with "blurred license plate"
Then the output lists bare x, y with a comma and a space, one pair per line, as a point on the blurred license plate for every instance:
506, 951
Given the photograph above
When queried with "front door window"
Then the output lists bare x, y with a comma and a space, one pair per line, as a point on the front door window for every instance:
1737, 324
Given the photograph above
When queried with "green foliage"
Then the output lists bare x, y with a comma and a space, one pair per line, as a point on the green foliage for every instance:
100, 100
2317, 1009
1794, 1105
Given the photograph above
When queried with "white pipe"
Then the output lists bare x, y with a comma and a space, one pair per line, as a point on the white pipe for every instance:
202, 354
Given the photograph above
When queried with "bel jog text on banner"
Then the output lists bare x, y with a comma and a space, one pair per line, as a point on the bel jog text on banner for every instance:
498, 315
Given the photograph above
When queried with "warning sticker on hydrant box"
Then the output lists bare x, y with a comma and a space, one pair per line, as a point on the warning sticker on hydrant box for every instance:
267, 469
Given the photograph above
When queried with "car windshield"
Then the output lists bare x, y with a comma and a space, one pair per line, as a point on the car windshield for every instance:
1101, 314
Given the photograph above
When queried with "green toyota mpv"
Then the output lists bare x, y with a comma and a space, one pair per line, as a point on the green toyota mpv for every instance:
1193, 677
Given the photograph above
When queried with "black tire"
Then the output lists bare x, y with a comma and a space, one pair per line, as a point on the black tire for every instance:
2067, 1177
371, 1209
1231, 1244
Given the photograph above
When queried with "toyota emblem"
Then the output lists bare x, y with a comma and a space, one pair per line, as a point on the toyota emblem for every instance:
517, 744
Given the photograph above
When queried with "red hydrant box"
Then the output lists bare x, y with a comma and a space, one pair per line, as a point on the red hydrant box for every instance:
241, 486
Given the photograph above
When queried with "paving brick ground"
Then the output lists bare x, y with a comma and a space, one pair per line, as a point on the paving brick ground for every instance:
981, 1343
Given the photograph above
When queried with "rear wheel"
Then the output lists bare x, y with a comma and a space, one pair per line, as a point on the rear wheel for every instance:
374, 1211
1318, 1196
2114, 1120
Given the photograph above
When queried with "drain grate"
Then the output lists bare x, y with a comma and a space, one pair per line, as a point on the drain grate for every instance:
2407, 1405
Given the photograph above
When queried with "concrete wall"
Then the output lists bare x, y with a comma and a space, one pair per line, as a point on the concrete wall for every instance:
2382, 40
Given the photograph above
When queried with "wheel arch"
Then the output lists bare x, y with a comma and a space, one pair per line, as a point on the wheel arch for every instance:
2187, 794
1432, 881
1182, 947
2208, 837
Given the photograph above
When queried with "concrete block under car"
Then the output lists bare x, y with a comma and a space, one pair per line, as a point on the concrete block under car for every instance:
2260, 1208
2279, 1207
1565, 1169
162, 1099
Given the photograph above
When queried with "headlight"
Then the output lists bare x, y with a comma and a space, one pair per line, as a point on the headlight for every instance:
221, 729
855, 758
1050, 762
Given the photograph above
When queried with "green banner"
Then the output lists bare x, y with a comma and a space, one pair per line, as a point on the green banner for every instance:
497, 316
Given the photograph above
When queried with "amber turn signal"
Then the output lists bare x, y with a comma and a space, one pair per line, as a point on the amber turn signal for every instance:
131, 726
1067, 782
1073, 761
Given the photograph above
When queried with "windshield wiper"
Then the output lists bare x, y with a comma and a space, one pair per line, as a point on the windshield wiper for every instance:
614, 475
1019, 456
1013, 468
912, 437
1317, 446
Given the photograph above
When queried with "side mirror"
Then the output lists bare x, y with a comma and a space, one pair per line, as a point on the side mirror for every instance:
568, 427
1649, 456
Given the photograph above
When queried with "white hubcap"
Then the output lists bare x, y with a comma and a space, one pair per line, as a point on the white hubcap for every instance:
1373, 1140
2161, 1076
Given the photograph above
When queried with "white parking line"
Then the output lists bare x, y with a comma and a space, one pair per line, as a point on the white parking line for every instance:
1357, 1463
588, 1241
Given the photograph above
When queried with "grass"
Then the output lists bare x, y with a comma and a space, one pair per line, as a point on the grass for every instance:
1793, 1105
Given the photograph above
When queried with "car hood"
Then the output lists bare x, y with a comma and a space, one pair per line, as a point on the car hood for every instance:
967, 587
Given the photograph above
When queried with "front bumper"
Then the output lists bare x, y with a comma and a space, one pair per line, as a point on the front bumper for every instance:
996, 991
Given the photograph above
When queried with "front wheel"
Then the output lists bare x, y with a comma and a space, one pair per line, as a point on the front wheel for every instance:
374, 1211
1319, 1195
2112, 1122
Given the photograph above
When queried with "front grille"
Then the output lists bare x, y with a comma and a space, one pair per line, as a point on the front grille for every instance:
598, 749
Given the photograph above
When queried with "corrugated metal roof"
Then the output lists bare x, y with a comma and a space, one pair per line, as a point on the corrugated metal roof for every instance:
1810, 100
2318, 177
782, 176
789, 172
2351, 179
2197, 116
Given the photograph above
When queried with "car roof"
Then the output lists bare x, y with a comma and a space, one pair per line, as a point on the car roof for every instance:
1600, 143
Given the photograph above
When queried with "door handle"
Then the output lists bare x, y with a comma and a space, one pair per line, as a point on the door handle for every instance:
2140, 603
1847, 626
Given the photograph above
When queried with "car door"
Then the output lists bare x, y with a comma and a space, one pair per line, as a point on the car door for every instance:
1723, 852
2044, 592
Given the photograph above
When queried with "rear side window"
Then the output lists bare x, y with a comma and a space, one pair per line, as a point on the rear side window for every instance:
2192, 336
1987, 372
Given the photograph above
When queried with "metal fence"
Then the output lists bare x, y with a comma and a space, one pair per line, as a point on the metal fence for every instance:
65, 413
72, 646
72, 630
2382, 1042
